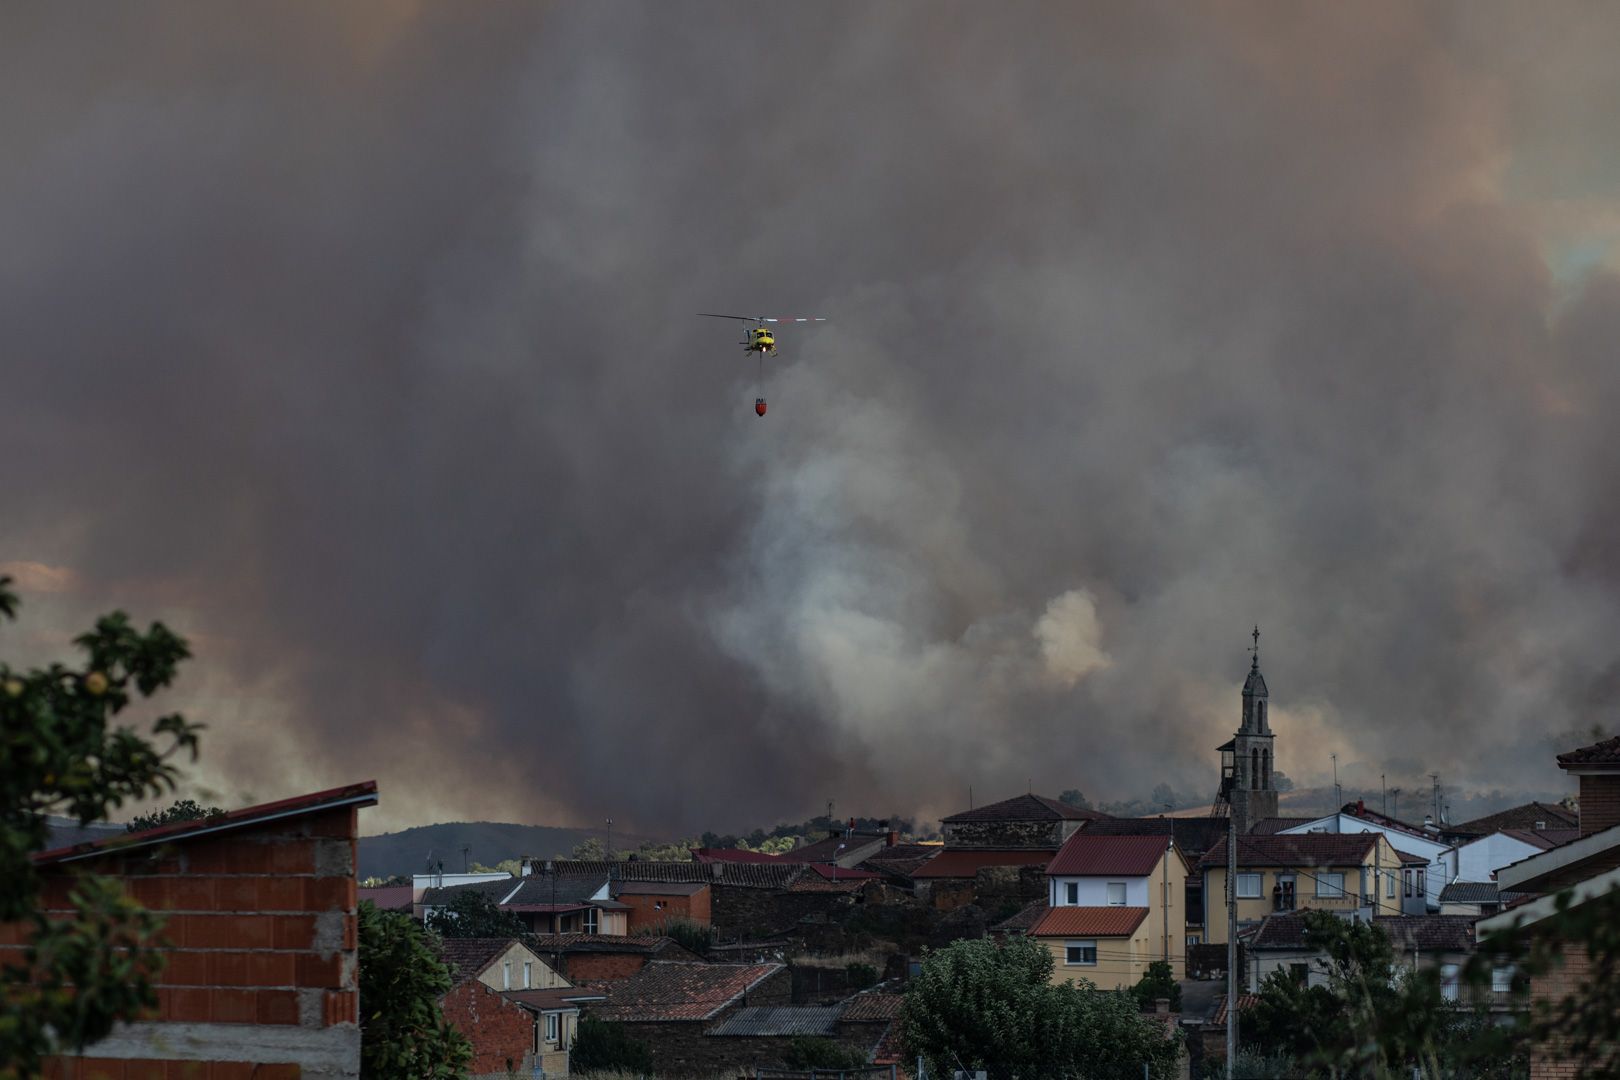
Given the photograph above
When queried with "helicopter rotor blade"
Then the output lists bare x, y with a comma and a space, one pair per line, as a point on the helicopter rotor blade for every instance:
741, 318
793, 318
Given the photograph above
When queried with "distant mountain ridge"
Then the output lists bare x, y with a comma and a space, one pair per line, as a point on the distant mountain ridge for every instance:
488, 842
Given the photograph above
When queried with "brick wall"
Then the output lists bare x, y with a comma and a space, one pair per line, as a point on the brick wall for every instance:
1600, 803
502, 1034
645, 912
262, 933
1549, 1061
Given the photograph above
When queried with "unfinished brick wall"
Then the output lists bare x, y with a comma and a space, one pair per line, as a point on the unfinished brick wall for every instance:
501, 1033
262, 934
646, 914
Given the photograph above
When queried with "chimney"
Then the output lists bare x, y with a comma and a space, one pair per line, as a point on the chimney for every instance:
891, 839
1428, 824
526, 866
1361, 808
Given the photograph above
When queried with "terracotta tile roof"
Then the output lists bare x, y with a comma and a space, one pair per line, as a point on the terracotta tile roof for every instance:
1193, 836
469, 958
1295, 849
1027, 916
1409, 859
1606, 752
827, 850
1267, 826
1519, 817
810, 883
1089, 922
778, 1020
1281, 931
1545, 839
1084, 855
1245, 1002
389, 897
901, 860
966, 862
666, 991
569, 944
742, 855
495, 890
1024, 808
553, 999
1429, 933
659, 888
361, 794
772, 875
874, 1006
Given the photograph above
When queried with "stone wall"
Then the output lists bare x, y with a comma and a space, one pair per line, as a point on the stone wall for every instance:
745, 912
1008, 834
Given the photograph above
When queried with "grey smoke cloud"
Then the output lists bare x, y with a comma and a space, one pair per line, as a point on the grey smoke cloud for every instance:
360, 346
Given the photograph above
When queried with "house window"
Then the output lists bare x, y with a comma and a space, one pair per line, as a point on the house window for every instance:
1501, 979
1248, 886
1420, 889
1116, 894
1449, 981
1389, 886
1072, 892
506, 975
527, 974
658, 905
1080, 953
551, 1027
590, 920
1540, 825
1330, 886
1406, 882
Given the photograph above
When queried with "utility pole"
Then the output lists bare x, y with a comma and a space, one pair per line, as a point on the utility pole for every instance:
1395, 811
1231, 947
1338, 793
1383, 784
465, 848
1435, 777
609, 839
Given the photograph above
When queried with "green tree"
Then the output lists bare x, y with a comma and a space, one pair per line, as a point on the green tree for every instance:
687, 933
403, 1033
979, 1005
1159, 981
472, 914
1075, 798
61, 753
600, 1046
182, 810
592, 849
820, 1052
1373, 1017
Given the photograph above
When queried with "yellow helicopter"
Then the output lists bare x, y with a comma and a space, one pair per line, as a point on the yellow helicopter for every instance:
760, 338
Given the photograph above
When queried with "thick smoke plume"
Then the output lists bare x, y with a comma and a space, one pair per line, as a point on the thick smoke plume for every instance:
359, 344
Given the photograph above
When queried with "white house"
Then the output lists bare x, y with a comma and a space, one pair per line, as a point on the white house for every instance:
1480, 858
1356, 818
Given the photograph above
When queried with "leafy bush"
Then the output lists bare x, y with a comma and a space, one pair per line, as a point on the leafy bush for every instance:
686, 933
601, 1047
819, 1052
402, 1031
861, 975
1159, 982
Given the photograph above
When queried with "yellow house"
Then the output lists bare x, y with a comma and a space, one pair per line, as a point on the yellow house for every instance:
1346, 872
1115, 904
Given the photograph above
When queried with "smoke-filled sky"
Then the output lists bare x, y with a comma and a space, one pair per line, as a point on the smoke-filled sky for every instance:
358, 344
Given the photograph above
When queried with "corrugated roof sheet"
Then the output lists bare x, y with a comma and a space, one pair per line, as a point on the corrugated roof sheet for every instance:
768, 1020
1089, 922
1084, 855
1024, 808
667, 991
1470, 892
966, 862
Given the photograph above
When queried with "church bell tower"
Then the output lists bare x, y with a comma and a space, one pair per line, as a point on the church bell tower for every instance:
1248, 769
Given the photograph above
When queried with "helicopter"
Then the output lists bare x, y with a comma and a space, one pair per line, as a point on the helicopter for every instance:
760, 339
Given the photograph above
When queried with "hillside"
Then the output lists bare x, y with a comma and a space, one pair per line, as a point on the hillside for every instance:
489, 842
